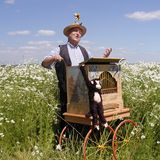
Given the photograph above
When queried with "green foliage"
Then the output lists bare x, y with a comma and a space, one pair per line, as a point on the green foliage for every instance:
141, 92
28, 100
28, 112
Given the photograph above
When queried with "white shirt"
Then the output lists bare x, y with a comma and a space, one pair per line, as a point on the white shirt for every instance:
75, 54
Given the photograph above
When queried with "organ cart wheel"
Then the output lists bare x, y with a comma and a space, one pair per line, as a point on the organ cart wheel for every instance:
98, 143
124, 137
63, 137
71, 139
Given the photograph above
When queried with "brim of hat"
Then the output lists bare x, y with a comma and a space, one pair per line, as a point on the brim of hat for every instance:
67, 29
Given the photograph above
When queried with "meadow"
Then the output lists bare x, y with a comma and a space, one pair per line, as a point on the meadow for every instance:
28, 112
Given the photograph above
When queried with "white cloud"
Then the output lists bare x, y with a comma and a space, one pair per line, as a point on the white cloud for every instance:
27, 32
121, 50
14, 33
9, 1
36, 50
86, 42
44, 32
101, 48
41, 43
32, 48
144, 16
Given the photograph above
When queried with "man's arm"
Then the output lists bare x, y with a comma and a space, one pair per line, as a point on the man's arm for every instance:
51, 59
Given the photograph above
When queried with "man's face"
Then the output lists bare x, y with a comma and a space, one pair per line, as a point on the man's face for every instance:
75, 35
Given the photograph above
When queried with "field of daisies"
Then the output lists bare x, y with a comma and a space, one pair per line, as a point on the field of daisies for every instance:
28, 112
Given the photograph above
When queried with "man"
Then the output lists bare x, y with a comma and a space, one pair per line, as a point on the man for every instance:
70, 54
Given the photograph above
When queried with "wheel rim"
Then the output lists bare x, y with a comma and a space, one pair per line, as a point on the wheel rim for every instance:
123, 139
97, 144
70, 140
61, 138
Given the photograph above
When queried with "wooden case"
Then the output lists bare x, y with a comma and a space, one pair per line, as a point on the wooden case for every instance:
109, 72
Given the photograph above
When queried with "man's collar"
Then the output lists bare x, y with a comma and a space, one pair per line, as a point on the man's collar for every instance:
71, 45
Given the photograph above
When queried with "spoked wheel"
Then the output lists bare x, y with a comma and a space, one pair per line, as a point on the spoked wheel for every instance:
98, 144
63, 137
70, 140
124, 139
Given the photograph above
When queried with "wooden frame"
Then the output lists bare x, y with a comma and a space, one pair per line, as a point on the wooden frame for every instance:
109, 71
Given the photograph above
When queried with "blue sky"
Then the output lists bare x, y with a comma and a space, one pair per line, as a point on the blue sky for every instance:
29, 29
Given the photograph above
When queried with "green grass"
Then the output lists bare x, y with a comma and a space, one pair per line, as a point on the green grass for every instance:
28, 113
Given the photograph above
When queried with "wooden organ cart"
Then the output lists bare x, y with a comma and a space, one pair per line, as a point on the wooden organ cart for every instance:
109, 72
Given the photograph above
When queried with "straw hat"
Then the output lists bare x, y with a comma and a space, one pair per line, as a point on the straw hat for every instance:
67, 29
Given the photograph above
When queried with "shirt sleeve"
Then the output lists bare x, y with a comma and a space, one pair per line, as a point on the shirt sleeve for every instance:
52, 53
